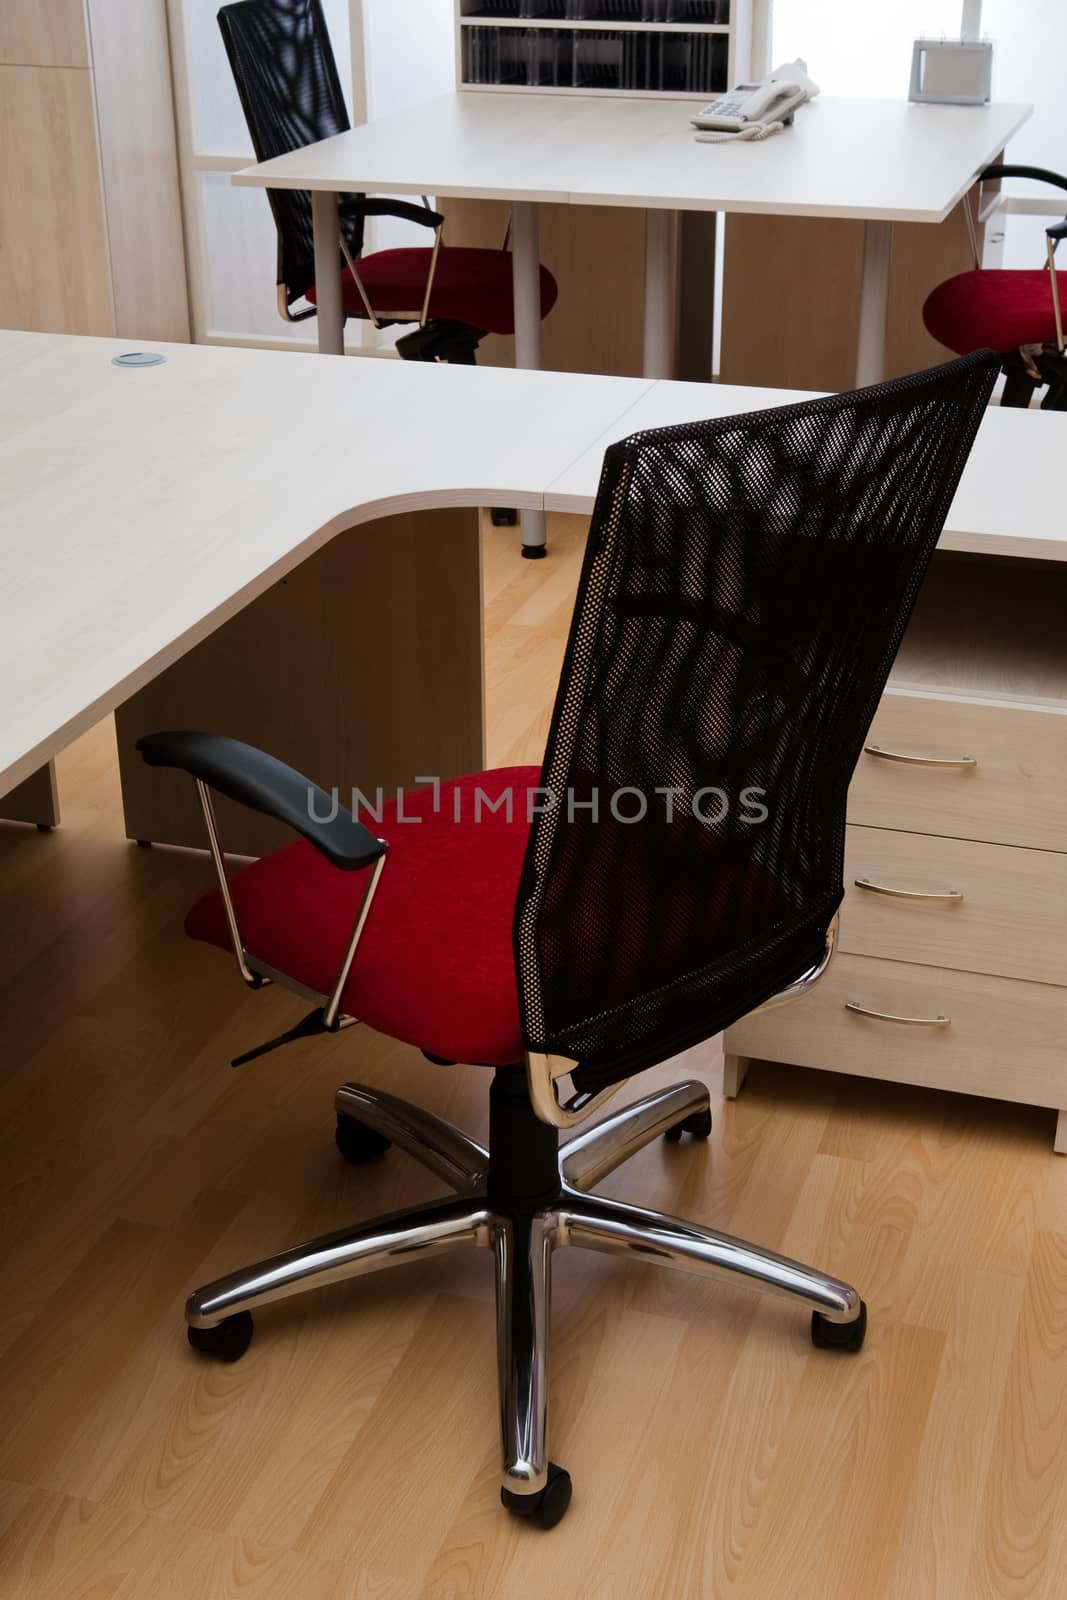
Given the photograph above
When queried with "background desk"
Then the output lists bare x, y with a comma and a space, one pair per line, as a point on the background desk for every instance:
864, 163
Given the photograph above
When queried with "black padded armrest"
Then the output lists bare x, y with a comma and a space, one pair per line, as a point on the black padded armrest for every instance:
1010, 169
261, 782
406, 210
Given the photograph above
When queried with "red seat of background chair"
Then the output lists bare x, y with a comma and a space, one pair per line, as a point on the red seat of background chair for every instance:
470, 286
993, 310
435, 965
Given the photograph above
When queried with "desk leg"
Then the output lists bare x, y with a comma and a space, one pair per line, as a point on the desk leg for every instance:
526, 283
661, 293
362, 668
35, 800
526, 288
328, 273
874, 303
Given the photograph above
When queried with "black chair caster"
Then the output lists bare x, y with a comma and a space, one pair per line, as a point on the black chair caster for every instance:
543, 1510
504, 517
849, 1336
226, 1342
699, 1125
358, 1143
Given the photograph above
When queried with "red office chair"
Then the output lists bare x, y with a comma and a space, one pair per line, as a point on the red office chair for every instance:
1015, 312
745, 587
286, 77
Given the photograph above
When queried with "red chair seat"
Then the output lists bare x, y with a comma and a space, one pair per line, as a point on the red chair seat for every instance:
993, 310
435, 966
470, 286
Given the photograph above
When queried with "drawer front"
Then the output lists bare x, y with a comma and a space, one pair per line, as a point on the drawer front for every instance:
1010, 921
1004, 1038
1013, 794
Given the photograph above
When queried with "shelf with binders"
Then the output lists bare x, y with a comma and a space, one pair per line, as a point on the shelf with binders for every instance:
630, 13
589, 60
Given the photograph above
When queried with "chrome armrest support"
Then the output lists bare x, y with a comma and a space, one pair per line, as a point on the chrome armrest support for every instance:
256, 974
283, 307
332, 1011
972, 225
375, 319
1050, 243
807, 980
254, 980
545, 1074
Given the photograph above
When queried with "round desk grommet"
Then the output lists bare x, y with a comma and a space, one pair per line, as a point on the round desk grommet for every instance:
139, 358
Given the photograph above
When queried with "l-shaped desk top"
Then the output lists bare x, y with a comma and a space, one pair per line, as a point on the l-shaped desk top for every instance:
141, 508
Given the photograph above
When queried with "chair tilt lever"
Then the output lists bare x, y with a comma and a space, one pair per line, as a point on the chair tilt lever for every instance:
307, 1028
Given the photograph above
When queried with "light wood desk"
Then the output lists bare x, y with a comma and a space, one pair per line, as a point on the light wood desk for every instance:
266, 542
286, 549
875, 161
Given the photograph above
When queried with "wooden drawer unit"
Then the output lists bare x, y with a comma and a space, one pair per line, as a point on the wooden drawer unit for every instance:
1015, 792
958, 808
953, 903
1003, 1038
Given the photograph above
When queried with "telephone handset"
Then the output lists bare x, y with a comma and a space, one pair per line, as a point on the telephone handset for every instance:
757, 110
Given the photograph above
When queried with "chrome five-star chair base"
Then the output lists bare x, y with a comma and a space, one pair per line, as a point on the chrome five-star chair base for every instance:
521, 1199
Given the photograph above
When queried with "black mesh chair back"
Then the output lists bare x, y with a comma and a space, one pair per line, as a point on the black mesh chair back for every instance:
286, 77
745, 589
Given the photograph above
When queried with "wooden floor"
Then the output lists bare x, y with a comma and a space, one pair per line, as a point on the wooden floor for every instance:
353, 1452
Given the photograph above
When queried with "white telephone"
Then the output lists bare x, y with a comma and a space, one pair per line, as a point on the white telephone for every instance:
757, 110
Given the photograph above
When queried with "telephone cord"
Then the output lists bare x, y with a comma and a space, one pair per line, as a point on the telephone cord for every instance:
756, 130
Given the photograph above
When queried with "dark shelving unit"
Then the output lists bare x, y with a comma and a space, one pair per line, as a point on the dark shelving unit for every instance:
619, 47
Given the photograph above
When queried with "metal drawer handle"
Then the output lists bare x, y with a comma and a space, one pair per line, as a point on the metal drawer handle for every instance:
908, 894
890, 1016
919, 761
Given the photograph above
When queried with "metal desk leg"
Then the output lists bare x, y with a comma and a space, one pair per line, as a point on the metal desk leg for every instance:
526, 287
331, 320
874, 302
661, 293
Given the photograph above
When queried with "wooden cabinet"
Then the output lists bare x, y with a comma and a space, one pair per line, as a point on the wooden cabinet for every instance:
90, 217
952, 969
43, 33
791, 297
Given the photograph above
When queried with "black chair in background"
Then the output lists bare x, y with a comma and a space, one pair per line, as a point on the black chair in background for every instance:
1017, 312
286, 76
745, 588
